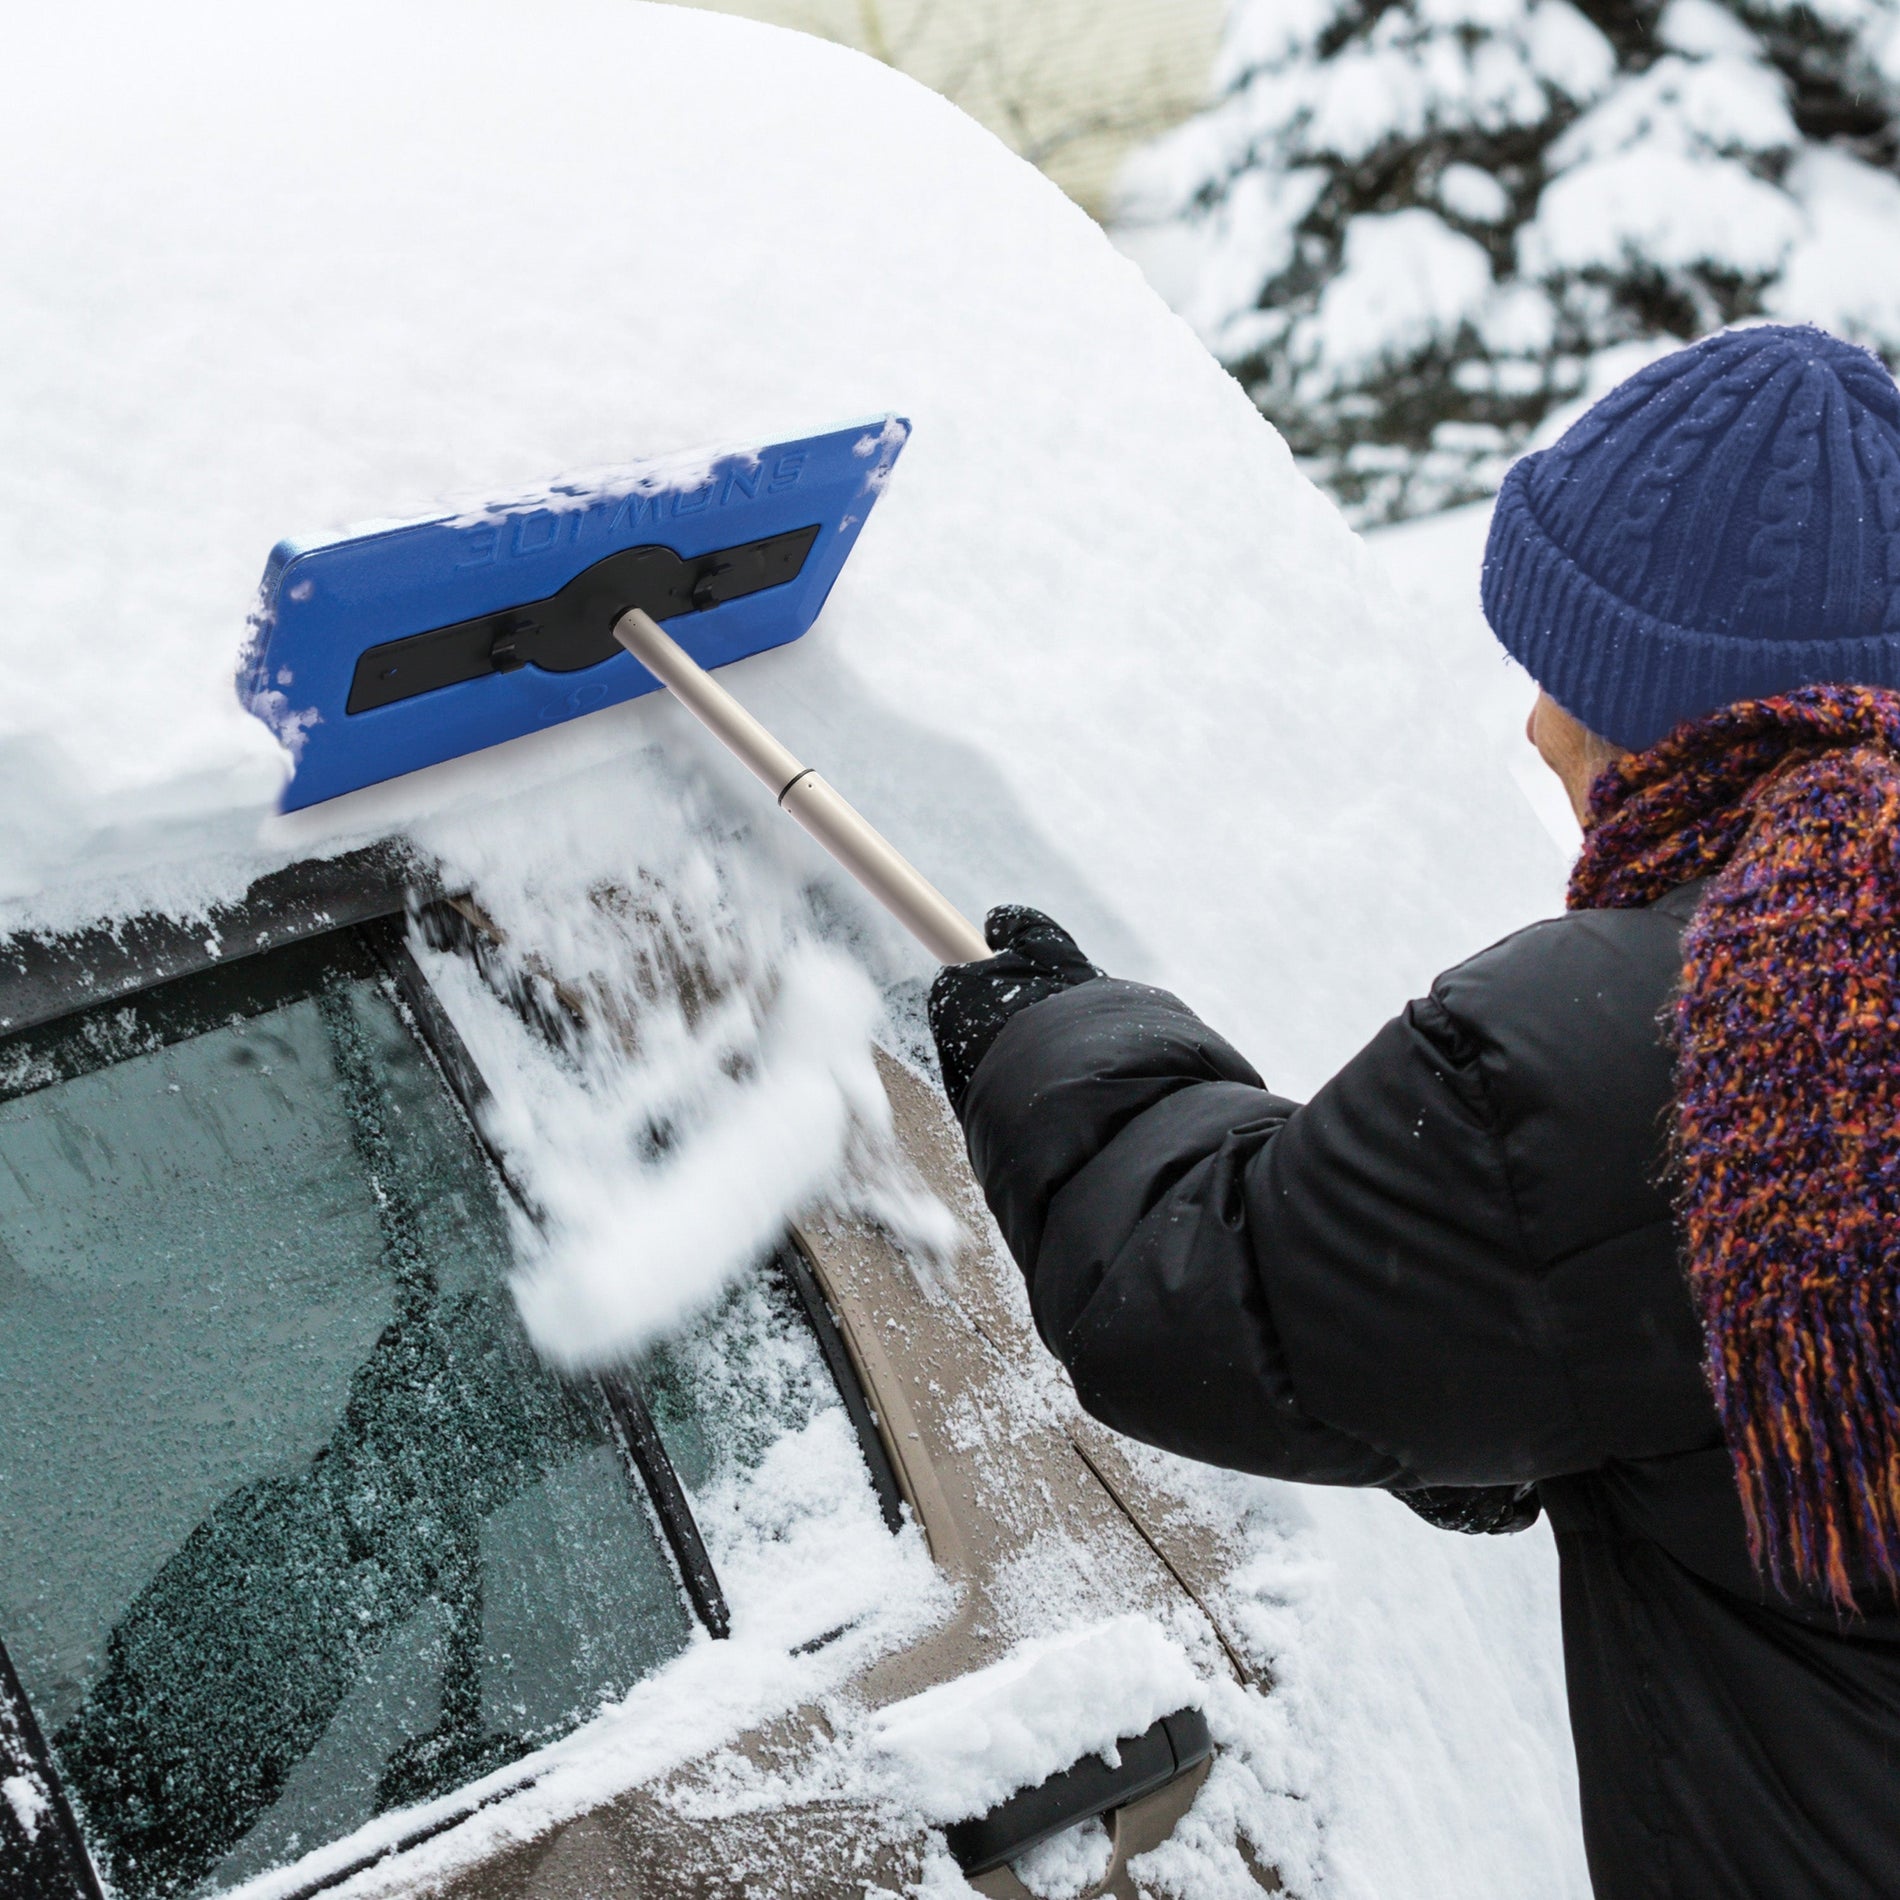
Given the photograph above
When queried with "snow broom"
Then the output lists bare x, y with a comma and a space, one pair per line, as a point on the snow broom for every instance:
392, 648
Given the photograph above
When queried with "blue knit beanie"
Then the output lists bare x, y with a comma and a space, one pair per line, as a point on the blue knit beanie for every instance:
1722, 526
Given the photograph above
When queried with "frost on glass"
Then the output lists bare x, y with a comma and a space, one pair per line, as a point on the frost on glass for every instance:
298, 1530
726, 1388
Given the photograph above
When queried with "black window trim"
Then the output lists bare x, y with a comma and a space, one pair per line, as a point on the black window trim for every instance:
44, 978
59, 1860
792, 1261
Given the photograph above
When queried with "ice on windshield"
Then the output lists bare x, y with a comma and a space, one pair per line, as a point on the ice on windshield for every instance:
725, 1389
300, 1530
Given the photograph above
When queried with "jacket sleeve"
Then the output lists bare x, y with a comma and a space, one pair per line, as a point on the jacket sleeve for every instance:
1337, 1293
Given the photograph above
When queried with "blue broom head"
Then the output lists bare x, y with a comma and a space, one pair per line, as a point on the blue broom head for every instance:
397, 646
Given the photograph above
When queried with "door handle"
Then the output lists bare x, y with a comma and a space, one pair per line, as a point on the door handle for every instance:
1170, 1747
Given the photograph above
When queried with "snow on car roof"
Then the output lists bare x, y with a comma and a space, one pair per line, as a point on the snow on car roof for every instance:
1101, 648
272, 276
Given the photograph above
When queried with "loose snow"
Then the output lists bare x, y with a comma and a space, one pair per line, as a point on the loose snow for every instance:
1067, 1865
27, 1798
1435, 563
1101, 648
636, 1249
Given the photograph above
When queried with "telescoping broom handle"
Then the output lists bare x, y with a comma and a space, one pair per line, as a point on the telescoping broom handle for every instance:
890, 877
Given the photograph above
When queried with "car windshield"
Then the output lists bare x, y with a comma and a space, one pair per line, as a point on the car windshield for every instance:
729, 1385
298, 1529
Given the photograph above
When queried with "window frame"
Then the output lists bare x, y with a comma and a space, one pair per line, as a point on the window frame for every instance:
371, 897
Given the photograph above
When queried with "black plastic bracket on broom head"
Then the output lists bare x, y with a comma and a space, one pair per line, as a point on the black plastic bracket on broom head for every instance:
573, 629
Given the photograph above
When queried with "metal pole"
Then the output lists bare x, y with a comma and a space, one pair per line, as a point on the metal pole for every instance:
890, 877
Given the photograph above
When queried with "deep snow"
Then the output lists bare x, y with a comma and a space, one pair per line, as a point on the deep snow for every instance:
1101, 648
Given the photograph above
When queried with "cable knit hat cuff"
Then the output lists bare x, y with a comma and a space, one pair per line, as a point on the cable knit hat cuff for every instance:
1627, 675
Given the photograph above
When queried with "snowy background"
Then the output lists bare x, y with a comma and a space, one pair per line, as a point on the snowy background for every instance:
1103, 647
1415, 229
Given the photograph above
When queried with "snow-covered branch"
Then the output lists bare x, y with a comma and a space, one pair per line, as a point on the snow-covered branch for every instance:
1423, 226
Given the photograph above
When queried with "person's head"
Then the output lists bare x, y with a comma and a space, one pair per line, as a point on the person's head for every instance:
1723, 526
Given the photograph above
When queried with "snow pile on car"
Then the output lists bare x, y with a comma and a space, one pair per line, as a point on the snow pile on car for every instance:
958, 1749
1101, 648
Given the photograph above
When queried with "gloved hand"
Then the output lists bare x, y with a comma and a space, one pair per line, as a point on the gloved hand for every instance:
1479, 1510
970, 1002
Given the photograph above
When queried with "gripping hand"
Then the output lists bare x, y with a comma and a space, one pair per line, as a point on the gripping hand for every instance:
970, 1002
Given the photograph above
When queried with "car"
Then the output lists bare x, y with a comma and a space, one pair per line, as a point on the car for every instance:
315, 1572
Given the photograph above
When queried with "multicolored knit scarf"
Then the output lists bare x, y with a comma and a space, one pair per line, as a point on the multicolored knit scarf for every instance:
1787, 1134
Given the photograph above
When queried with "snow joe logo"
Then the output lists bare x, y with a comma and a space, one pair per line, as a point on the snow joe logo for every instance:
614, 518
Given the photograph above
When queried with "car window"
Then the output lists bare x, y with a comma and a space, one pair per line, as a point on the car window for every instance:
298, 1528
725, 1388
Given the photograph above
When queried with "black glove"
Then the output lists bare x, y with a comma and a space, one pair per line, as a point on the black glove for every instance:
970, 1002
1479, 1510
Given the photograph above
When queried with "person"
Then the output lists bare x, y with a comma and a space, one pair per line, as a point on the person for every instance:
1606, 1226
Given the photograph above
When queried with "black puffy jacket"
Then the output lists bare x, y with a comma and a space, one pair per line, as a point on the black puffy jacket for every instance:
1456, 1266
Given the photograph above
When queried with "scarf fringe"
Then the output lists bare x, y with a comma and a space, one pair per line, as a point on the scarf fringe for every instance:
1786, 1145
1819, 1477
